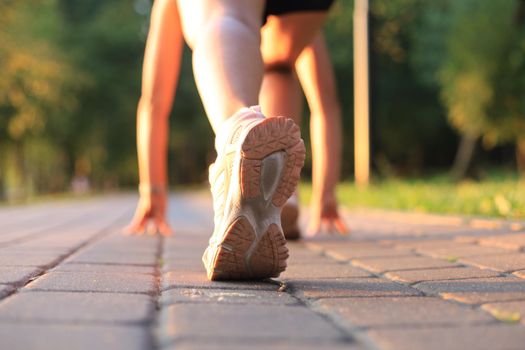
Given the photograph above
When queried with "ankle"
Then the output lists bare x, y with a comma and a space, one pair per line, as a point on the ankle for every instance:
235, 124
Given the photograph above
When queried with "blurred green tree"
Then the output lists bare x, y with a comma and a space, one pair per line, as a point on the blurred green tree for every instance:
473, 50
36, 92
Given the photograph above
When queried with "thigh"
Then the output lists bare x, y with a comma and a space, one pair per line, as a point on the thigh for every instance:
196, 15
285, 36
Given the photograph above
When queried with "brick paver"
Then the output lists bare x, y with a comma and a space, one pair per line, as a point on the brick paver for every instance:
446, 273
482, 337
226, 296
77, 307
354, 287
514, 241
60, 336
401, 312
461, 251
95, 282
239, 321
383, 265
509, 311
502, 262
70, 280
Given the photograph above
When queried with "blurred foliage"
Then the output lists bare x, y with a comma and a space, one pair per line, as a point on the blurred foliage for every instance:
70, 83
483, 74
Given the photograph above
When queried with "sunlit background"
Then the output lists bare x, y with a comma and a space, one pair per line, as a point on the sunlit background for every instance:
447, 102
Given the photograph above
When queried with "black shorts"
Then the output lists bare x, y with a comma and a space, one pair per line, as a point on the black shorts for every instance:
281, 7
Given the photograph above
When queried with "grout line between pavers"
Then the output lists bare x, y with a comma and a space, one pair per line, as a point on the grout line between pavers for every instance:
351, 334
153, 325
423, 293
105, 231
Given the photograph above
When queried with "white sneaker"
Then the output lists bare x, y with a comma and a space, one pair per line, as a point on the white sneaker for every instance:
258, 165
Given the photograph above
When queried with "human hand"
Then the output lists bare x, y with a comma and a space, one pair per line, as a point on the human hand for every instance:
325, 217
150, 216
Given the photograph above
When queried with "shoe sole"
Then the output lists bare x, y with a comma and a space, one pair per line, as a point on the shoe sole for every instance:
247, 251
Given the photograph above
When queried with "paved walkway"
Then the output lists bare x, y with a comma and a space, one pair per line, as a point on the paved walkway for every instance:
70, 280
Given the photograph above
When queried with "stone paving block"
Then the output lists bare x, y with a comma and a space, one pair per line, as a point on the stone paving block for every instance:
447, 273
184, 278
267, 344
85, 267
505, 262
5, 290
181, 264
226, 296
131, 258
401, 312
33, 259
485, 223
190, 253
101, 248
15, 336
17, 275
476, 298
15, 250
401, 263
353, 287
474, 285
51, 245
460, 251
75, 307
421, 243
513, 241
94, 282
178, 243
121, 241
510, 311
482, 337
303, 251
331, 270
308, 259
328, 242
344, 254
467, 239
243, 321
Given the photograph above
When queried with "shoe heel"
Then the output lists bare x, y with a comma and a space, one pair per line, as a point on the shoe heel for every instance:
273, 135
268, 259
230, 260
236, 259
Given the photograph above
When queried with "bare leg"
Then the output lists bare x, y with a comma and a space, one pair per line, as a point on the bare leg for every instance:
317, 78
281, 93
258, 159
159, 78
227, 64
283, 39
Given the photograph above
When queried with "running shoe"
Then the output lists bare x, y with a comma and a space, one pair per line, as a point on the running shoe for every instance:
258, 165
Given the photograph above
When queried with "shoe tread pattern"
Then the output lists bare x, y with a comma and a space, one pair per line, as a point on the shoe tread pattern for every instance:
267, 260
270, 136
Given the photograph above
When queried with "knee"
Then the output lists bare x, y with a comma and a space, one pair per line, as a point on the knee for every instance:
218, 25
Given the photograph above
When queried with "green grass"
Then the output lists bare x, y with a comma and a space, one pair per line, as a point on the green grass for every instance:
497, 195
